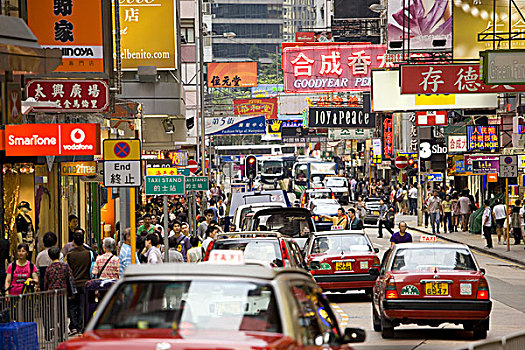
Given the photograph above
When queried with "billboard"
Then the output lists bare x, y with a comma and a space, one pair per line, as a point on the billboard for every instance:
232, 74
386, 95
236, 125
340, 117
473, 17
483, 138
147, 34
448, 79
354, 9
266, 90
74, 27
483, 164
504, 67
258, 106
331, 68
425, 25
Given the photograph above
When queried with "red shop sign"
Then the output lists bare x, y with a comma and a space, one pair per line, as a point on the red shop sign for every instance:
332, 68
52, 140
448, 79
256, 106
70, 95
305, 37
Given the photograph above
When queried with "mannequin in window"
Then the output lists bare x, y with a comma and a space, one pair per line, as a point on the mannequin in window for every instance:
24, 227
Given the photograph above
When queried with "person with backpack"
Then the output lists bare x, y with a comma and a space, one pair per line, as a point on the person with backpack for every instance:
487, 223
21, 275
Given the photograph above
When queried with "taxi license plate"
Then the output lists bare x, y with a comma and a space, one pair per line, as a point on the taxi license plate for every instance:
376, 212
436, 288
343, 266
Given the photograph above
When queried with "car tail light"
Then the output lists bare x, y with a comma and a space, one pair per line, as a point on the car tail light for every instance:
208, 250
390, 290
284, 252
376, 263
483, 289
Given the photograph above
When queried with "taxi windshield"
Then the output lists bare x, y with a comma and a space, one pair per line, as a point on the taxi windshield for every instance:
253, 249
337, 244
422, 259
198, 305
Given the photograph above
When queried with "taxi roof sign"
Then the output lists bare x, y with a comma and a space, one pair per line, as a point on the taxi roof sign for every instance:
122, 149
231, 257
428, 238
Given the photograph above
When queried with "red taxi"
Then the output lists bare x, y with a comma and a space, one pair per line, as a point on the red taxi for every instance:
430, 284
341, 260
205, 306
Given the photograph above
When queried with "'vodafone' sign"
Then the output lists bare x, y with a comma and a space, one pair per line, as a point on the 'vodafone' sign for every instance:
52, 139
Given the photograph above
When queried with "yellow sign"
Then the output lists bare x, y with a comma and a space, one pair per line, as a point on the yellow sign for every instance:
122, 149
78, 168
434, 100
147, 34
41, 170
163, 171
521, 161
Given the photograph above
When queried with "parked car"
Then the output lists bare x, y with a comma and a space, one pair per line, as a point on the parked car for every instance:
372, 209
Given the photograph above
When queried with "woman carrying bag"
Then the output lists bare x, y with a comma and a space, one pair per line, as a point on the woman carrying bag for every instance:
106, 265
22, 275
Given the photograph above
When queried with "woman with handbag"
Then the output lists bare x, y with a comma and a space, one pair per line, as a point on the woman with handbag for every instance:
106, 265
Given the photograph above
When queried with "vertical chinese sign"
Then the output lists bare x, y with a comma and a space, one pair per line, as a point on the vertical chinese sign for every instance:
73, 26
332, 68
387, 136
147, 30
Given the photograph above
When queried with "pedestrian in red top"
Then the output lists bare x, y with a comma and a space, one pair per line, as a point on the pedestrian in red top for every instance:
19, 272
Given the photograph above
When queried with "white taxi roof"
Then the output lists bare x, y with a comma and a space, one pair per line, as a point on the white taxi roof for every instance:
430, 245
339, 232
211, 270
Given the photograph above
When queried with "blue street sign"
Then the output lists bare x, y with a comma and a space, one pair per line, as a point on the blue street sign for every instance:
435, 177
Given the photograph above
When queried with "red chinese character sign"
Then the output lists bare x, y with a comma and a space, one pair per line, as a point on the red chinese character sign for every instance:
70, 95
256, 106
448, 79
331, 68
387, 128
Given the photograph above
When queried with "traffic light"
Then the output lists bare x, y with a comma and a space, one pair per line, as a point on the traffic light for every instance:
250, 166
412, 167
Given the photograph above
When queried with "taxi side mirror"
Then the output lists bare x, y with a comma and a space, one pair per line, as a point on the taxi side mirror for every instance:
482, 270
315, 265
376, 250
373, 271
354, 335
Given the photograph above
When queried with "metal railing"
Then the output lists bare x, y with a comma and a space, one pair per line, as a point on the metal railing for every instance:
515, 341
48, 309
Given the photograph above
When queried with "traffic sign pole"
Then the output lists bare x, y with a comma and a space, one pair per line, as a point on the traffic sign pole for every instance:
507, 211
166, 243
133, 238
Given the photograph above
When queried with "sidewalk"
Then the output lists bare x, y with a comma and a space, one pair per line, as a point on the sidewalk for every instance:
474, 241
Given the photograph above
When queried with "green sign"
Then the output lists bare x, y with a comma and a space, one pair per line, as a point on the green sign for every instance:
164, 185
197, 183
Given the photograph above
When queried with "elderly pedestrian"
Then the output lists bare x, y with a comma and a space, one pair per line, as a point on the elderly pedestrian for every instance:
107, 265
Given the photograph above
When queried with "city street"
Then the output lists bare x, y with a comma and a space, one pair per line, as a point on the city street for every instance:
507, 285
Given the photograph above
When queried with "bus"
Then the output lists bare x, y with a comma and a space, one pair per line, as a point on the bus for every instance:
274, 169
310, 173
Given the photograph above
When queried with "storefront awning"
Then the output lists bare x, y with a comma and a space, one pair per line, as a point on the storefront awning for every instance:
20, 51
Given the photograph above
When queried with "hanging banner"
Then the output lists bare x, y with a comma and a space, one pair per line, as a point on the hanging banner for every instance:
232, 74
343, 117
448, 79
256, 106
350, 134
74, 27
236, 125
331, 68
425, 25
387, 136
483, 138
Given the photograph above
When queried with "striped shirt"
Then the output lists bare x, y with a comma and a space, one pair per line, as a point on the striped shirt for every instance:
111, 271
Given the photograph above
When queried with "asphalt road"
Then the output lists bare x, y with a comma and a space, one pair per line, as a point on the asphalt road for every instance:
507, 288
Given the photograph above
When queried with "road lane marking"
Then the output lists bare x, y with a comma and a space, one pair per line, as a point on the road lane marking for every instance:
344, 316
495, 258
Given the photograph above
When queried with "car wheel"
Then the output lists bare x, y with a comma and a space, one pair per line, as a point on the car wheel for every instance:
480, 334
376, 321
387, 328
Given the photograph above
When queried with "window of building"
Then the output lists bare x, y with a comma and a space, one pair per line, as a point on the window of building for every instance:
187, 29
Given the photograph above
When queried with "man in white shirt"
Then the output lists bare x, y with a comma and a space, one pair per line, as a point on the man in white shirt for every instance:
412, 197
152, 252
487, 223
500, 214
